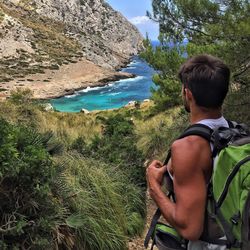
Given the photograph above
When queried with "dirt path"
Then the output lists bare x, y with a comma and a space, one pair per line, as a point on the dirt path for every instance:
138, 242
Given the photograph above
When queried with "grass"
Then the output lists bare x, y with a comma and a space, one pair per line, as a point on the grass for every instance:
100, 204
102, 207
155, 133
74, 202
69, 126
66, 126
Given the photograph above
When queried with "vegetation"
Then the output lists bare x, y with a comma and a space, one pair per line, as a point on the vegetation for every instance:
28, 208
116, 145
71, 194
187, 28
167, 60
156, 133
77, 181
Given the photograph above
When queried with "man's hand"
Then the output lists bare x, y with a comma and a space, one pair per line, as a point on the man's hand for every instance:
155, 173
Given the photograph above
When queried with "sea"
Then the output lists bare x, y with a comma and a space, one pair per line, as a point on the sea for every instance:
115, 94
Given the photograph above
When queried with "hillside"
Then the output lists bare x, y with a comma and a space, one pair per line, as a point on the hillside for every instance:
39, 36
76, 181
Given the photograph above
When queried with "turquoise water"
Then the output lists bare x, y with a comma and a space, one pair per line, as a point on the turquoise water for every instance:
115, 94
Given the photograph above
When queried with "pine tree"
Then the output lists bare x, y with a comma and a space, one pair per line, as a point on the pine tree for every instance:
220, 28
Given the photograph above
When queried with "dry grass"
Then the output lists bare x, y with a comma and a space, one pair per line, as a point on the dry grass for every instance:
153, 133
69, 126
66, 126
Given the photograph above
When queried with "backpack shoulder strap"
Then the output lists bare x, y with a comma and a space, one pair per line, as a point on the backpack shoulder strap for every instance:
231, 124
151, 230
198, 129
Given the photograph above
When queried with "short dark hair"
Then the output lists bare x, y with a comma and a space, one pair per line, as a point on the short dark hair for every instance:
207, 77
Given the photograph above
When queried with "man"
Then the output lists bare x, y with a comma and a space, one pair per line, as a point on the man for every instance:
205, 81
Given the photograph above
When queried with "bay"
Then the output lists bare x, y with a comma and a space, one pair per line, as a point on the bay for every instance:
115, 94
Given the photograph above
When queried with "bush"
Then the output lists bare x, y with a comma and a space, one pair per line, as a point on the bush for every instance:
21, 96
78, 204
117, 157
116, 146
29, 211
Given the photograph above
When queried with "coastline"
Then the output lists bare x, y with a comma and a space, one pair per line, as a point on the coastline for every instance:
64, 81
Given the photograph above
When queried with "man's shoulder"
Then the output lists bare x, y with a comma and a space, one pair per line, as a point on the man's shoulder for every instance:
190, 143
192, 153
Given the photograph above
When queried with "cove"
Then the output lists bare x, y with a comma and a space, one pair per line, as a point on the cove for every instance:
115, 94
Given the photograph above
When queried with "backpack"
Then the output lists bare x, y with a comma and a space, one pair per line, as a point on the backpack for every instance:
227, 218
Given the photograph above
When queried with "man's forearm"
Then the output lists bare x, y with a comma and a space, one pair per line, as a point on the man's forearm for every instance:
166, 206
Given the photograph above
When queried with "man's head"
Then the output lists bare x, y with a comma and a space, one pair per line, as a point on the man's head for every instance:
207, 78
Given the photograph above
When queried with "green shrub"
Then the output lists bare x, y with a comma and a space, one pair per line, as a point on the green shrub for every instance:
21, 96
29, 211
78, 204
116, 146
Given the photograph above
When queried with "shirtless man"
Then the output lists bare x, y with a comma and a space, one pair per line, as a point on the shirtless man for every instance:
205, 81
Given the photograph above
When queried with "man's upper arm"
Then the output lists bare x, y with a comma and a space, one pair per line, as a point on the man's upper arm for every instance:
189, 157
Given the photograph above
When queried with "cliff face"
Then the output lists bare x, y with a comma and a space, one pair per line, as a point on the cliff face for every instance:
106, 36
44, 34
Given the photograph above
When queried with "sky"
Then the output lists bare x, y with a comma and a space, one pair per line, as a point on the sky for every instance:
135, 12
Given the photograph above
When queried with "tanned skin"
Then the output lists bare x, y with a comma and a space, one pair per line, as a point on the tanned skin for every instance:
191, 166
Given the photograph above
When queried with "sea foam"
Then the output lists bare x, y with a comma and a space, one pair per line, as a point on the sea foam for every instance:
89, 89
71, 96
135, 79
113, 94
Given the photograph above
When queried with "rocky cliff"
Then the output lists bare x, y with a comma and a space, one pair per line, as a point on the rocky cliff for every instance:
36, 35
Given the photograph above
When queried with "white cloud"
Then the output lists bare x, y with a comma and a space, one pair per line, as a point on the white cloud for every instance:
139, 20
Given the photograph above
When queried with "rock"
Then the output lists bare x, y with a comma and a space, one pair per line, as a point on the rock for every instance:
146, 100
104, 35
38, 36
48, 107
85, 111
131, 104
54, 66
118, 76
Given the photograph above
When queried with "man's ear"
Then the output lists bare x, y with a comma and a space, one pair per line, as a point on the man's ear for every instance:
188, 94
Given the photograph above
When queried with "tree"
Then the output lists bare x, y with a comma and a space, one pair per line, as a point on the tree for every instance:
166, 59
217, 27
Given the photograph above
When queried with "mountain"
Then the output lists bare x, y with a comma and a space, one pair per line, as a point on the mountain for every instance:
37, 35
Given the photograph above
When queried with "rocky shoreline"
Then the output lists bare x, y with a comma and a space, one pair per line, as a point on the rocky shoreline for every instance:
65, 80
103, 82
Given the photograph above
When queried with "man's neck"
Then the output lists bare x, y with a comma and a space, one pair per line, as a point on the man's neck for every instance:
198, 113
